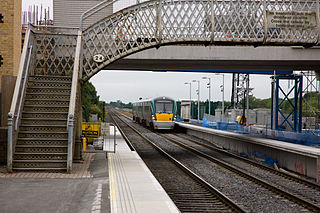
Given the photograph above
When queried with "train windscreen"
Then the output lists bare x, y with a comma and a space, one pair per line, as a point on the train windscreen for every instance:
164, 106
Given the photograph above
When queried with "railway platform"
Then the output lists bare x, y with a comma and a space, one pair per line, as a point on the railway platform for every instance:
304, 160
133, 188
119, 183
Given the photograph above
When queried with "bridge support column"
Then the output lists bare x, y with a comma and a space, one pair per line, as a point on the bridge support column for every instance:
293, 120
78, 143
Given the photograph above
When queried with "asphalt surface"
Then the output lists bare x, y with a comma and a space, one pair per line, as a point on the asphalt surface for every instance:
48, 195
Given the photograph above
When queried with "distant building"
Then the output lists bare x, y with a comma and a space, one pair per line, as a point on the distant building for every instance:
68, 12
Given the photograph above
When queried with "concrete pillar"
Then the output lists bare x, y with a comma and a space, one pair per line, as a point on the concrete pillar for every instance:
77, 127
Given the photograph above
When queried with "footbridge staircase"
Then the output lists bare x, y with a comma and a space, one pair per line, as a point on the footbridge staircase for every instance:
45, 116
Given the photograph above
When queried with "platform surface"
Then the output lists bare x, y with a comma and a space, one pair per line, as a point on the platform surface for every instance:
85, 190
133, 188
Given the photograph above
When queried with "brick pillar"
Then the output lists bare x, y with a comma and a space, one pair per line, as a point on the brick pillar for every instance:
7, 86
10, 50
3, 145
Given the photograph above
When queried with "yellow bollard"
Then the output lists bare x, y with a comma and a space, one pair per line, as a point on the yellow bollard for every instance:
84, 144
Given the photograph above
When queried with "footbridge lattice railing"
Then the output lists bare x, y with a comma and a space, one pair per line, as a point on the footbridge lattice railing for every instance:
47, 51
229, 22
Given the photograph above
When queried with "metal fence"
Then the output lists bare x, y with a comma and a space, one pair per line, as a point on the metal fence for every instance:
306, 137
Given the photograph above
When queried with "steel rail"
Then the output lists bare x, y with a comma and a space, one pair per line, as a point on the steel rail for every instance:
306, 204
193, 175
123, 135
254, 163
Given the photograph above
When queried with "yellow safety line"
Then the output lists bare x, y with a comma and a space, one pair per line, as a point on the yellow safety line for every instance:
113, 194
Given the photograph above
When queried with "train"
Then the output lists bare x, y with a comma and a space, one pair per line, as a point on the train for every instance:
156, 113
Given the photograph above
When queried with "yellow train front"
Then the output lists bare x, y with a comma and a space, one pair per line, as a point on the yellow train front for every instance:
157, 113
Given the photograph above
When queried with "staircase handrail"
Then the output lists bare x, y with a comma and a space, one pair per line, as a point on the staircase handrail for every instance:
19, 91
73, 99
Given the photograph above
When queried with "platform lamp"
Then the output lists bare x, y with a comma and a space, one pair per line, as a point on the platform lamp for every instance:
189, 96
222, 90
198, 93
209, 87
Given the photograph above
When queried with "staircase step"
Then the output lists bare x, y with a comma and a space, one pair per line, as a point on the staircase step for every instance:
48, 96
40, 169
51, 108
39, 164
42, 122
44, 119
38, 142
44, 78
45, 103
48, 90
48, 79
58, 135
49, 85
39, 161
43, 115
45, 94
34, 125
52, 157
43, 128
41, 149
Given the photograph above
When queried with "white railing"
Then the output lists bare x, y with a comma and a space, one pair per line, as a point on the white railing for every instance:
18, 97
72, 104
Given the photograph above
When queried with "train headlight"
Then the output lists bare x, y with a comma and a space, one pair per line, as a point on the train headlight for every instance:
175, 117
153, 118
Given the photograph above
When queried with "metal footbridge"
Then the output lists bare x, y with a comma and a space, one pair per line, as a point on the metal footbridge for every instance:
45, 115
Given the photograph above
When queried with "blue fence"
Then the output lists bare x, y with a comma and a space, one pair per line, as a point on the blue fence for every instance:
306, 137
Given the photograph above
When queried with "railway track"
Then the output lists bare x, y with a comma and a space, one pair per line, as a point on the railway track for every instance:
309, 190
189, 192
300, 191
309, 196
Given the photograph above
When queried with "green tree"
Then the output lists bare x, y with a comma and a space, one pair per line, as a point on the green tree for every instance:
90, 101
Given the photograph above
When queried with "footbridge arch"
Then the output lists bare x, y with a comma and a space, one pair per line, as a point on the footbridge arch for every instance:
197, 22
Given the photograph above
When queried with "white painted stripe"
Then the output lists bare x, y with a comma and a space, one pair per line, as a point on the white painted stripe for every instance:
112, 186
96, 205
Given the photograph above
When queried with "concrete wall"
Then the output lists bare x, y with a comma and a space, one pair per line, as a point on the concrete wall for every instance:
3, 145
68, 12
297, 158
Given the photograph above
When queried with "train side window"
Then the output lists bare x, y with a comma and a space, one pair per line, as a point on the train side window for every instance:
1, 60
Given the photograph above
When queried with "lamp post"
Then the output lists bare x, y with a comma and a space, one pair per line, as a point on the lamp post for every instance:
198, 93
222, 90
189, 96
209, 87
190, 89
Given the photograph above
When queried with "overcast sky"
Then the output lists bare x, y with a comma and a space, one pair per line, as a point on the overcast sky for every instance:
128, 86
